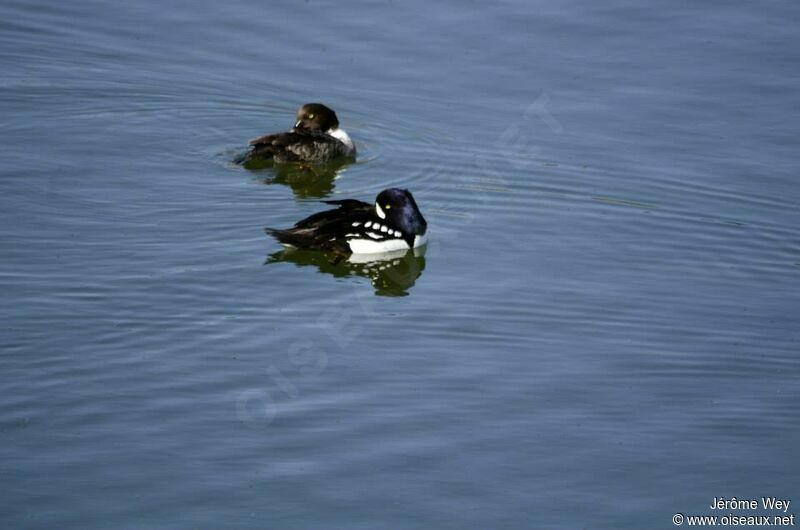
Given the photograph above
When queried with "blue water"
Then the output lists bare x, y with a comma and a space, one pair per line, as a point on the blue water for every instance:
602, 332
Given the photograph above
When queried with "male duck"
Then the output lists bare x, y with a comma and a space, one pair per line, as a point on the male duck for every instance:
393, 223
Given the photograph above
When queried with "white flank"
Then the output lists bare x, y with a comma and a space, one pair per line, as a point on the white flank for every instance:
370, 259
373, 235
366, 246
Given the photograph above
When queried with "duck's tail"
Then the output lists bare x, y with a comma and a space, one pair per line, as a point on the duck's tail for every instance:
284, 237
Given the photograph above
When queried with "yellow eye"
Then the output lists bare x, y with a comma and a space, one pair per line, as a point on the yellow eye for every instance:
311, 116
388, 206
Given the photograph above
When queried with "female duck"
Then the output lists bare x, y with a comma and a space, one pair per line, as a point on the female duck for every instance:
315, 138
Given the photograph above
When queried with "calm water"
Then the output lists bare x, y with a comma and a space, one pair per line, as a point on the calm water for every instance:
603, 330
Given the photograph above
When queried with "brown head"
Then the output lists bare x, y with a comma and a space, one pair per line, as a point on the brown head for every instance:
316, 117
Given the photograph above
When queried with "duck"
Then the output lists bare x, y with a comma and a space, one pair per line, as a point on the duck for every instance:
393, 222
315, 138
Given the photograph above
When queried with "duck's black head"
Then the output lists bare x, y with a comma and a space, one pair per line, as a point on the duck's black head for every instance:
316, 117
400, 210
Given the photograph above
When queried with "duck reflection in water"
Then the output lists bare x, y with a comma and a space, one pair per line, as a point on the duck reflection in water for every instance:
391, 273
308, 181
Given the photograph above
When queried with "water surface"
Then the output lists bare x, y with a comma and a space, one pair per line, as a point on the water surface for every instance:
602, 332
